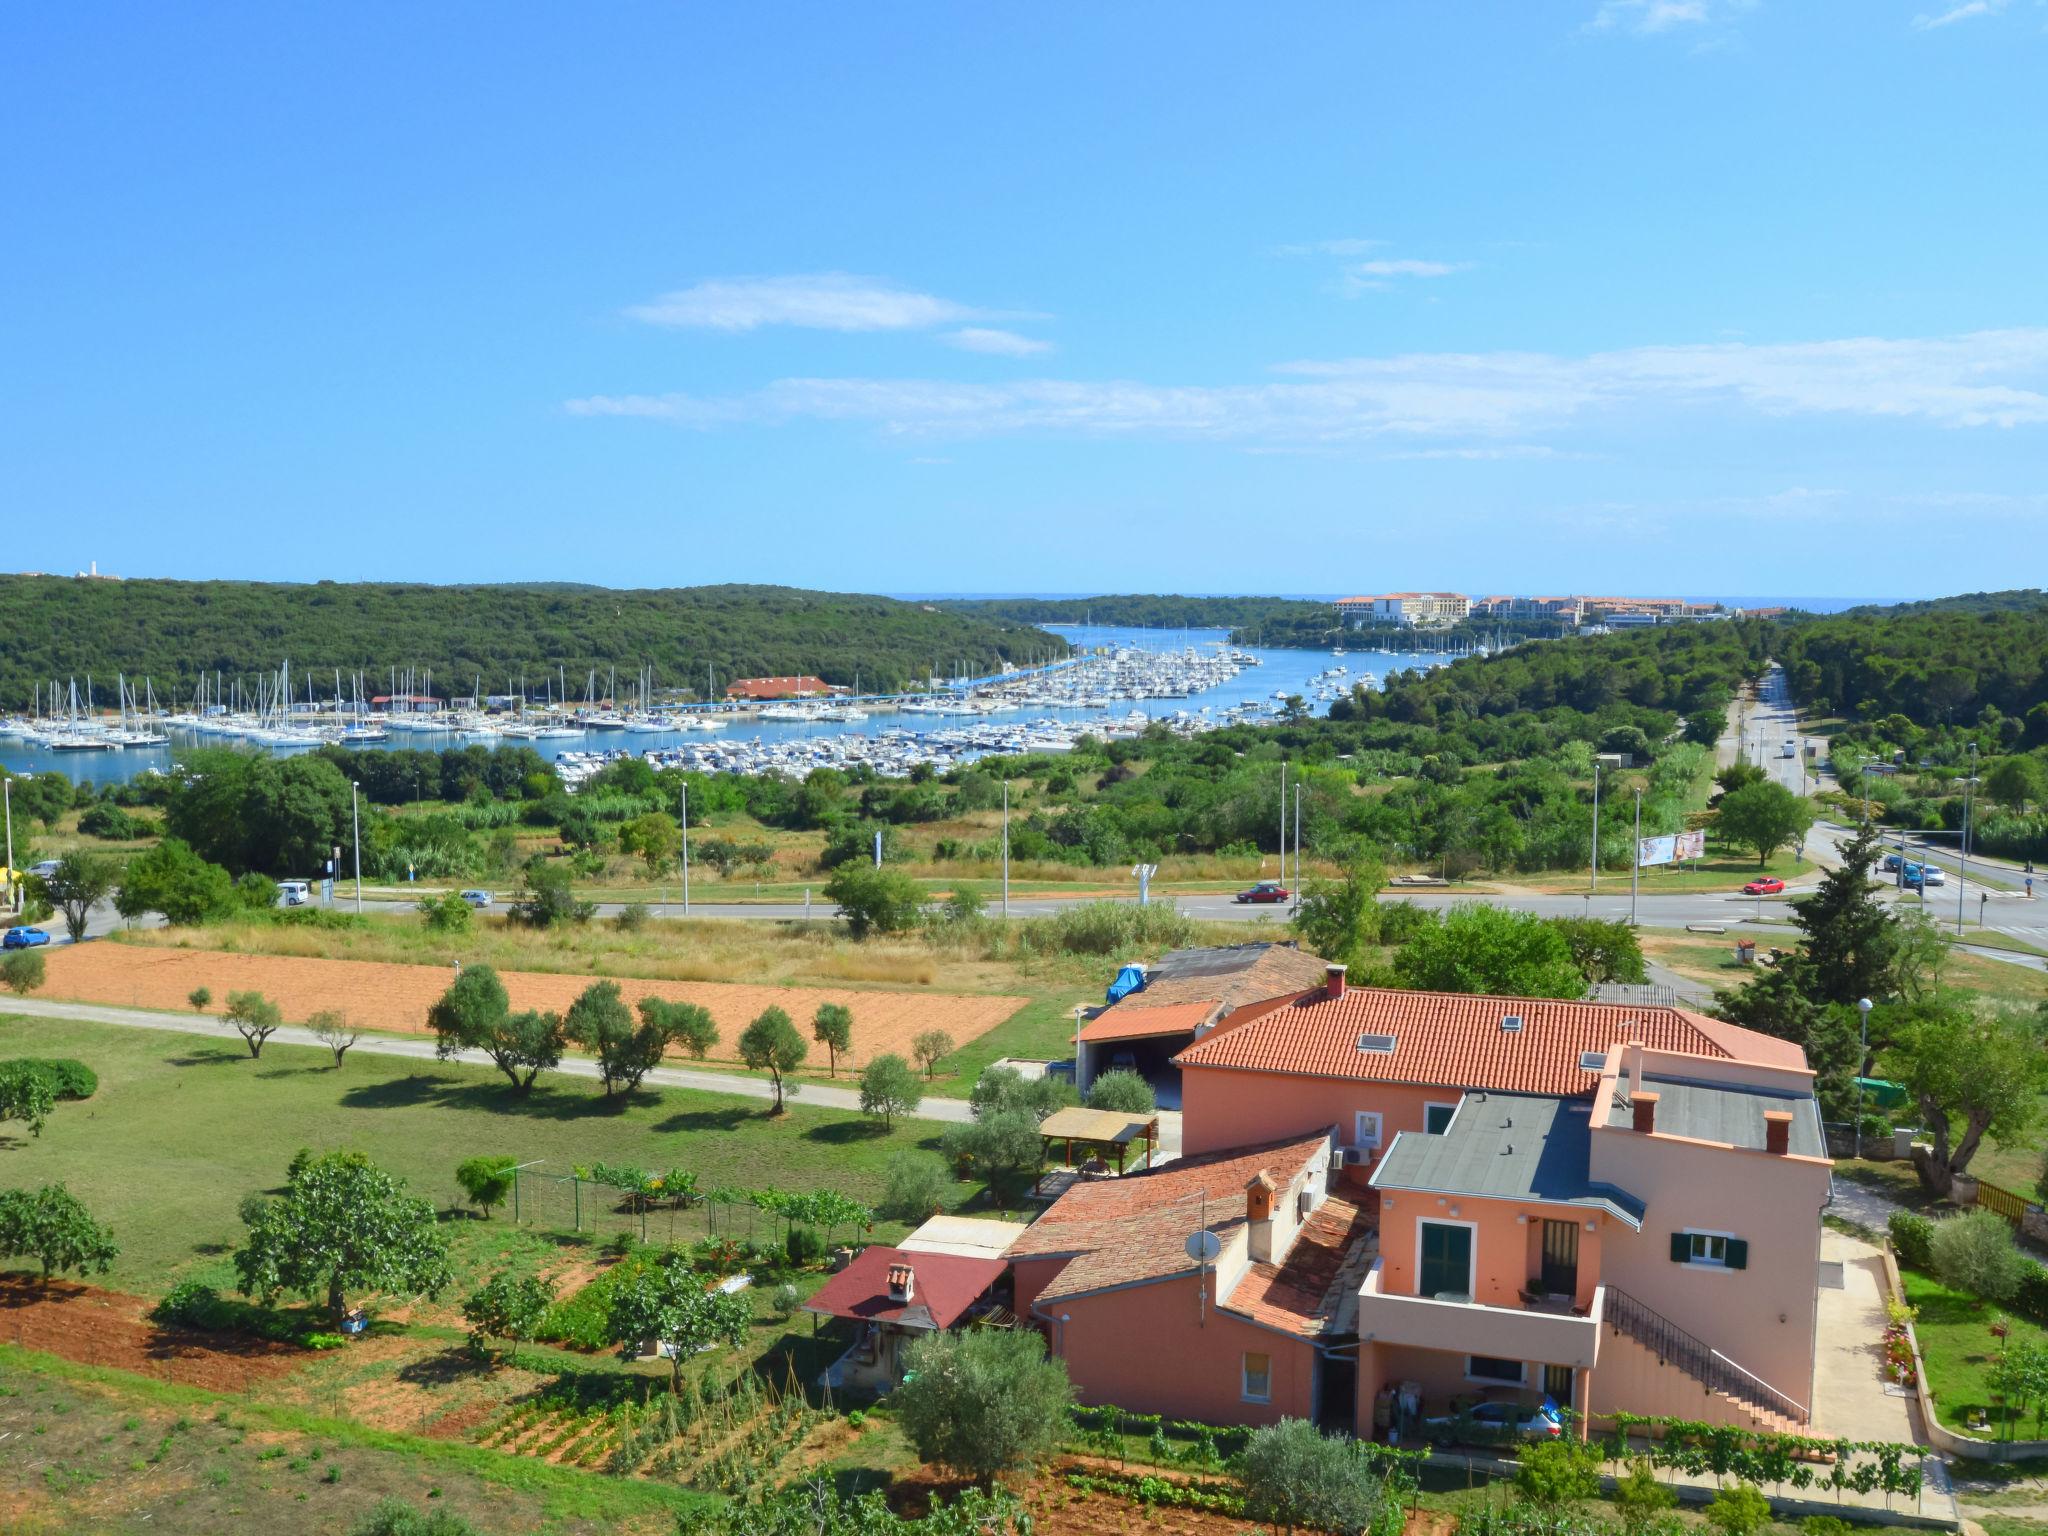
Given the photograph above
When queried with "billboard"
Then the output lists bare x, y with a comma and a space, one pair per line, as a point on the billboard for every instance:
1670, 848
1691, 845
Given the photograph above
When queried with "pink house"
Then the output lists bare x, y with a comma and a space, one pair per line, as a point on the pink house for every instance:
1430, 1198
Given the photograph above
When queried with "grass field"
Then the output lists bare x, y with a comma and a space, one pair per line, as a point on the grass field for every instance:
181, 1129
1957, 1346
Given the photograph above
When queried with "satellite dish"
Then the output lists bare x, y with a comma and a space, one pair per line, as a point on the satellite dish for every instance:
1203, 1246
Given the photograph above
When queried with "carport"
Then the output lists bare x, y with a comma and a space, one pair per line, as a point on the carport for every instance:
1103, 1134
1142, 1038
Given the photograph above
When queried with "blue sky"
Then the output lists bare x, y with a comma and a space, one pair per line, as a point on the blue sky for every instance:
1681, 295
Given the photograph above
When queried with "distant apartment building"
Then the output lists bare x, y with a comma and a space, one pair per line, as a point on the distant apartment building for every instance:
1642, 612
1568, 610
765, 688
1410, 610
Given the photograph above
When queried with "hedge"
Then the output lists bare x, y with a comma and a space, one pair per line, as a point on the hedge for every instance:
68, 1079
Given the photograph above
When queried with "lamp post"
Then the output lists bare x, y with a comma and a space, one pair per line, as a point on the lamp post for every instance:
1006, 847
1963, 866
683, 818
7, 791
355, 817
1593, 884
1862, 1054
1635, 866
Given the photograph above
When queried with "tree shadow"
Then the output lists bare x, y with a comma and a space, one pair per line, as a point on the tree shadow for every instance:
291, 1071
457, 1363
409, 1092
839, 1133
727, 1119
212, 1058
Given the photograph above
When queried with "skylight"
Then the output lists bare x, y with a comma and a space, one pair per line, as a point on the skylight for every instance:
1511, 1024
1592, 1061
1384, 1044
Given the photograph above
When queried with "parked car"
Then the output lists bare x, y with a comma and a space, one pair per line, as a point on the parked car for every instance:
478, 899
1764, 885
1925, 874
44, 870
1889, 863
24, 938
294, 893
1491, 1423
1264, 891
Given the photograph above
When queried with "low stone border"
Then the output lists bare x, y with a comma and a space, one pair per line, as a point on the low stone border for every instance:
1937, 1434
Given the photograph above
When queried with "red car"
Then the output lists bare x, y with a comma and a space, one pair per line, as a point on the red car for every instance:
1265, 890
1769, 885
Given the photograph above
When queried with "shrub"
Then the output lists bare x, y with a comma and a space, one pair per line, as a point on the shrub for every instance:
1123, 1090
785, 1301
984, 1403
889, 1088
188, 1304
1560, 1471
22, 971
394, 1517
632, 917
68, 1079
2031, 1300
915, 1186
448, 913
805, 1246
1295, 1475
1912, 1239
1825, 1525
201, 999
486, 1180
1640, 1498
1739, 1511
1975, 1252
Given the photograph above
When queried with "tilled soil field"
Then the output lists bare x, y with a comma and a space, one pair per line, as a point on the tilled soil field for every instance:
395, 998
96, 1327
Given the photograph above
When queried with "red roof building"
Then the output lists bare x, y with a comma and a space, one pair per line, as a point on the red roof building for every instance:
762, 688
940, 1289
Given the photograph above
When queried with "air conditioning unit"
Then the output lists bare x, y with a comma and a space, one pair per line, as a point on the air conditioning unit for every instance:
1337, 1158
1357, 1157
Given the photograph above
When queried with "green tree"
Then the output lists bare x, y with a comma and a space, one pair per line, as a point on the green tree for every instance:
1739, 1511
1975, 1252
1123, 1090
170, 878
1639, 1498
26, 1094
475, 1014
343, 1224
832, 1027
771, 1044
1602, 950
1005, 1090
2017, 782
1970, 1076
80, 882
687, 1025
53, 1227
1003, 1148
1295, 1476
1553, 1473
874, 900
486, 1180
600, 1022
22, 971
547, 897
1491, 950
1338, 918
929, 1047
667, 1303
255, 1018
1851, 940
330, 1026
983, 1403
914, 1186
656, 837
1763, 816
201, 999
889, 1088
448, 913
505, 1307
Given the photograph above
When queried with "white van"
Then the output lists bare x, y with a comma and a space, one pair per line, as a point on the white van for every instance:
294, 893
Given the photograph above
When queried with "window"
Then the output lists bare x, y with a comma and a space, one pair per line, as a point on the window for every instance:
1444, 1264
1709, 1250
1381, 1044
1365, 1128
1557, 1383
1592, 1061
1436, 1118
1486, 1368
1258, 1378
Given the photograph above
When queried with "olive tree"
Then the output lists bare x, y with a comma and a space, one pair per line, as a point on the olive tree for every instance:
983, 1403
255, 1018
930, 1047
80, 882
832, 1027
771, 1044
332, 1029
1295, 1475
889, 1088
475, 1014
22, 971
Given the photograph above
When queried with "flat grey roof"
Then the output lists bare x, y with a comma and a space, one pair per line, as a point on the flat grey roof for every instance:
1727, 1113
1508, 1146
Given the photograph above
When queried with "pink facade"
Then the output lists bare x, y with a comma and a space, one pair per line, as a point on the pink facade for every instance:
1223, 1107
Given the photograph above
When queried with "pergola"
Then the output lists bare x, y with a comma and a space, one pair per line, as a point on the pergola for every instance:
1103, 1131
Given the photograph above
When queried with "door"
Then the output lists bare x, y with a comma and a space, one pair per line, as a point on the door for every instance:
1446, 1267
1561, 1258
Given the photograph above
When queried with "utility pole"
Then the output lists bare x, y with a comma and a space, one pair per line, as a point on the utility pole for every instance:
1862, 1056
1963, 869
7, 790
1594, 883
355, 817
683, 816
1006, 847
1635, 865
1283, 821
1297, 845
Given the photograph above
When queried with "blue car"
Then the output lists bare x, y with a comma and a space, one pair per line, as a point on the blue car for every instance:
24, 938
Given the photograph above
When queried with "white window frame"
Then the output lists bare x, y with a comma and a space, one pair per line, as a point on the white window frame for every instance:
1430, 1104
1379, 1128
1521, 1380
1244, 1377
1695, 1261
1471, 1253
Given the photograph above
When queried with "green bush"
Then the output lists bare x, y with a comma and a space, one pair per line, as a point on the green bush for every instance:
394, 1517
1739, 1511
805, 1246
915, 1186
2031, 1299
1975, 1252
68, 1079
22, 972
1912, 1239
1122, 1090
1109, 928
1557, 1472
1640, 1498
1294, 1475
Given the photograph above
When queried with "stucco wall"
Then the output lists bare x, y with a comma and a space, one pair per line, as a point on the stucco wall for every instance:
1223, 1108
1507, 1252
1155, 1349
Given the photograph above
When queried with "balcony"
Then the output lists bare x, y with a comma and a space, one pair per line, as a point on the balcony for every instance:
1473, 1328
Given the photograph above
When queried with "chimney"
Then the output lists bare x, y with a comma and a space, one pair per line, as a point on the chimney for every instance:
1645, 1106
902, 1282
1777, 1131
1334, 986
1258, 1214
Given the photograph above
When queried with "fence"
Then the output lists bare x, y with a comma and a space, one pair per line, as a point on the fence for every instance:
566, 1203
2009, 1205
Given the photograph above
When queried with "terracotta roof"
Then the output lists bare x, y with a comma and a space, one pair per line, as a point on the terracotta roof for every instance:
1454, 1039
1122, 1023
1128, 1230
1302, 1294
1227, 976
943, 1287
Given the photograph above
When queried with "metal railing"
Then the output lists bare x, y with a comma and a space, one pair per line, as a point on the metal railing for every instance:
1672, 1345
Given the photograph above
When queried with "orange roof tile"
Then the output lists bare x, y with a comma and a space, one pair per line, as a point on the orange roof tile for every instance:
1126, 1023
1297, 1294
1129, 1230
1455, 1040
1228, 976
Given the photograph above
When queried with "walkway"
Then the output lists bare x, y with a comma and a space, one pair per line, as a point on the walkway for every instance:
1850, 1398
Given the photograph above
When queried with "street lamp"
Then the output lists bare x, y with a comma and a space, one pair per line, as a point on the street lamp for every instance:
1635, 865
7, 791
1593, 882
683, 820
355, 817
1963, 866
1862, 1053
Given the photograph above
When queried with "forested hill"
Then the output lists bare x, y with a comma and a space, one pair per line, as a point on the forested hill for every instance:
1938, 663
1150, 612
173, 631
2017, 600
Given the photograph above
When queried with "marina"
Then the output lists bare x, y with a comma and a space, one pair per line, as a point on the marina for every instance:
1123, 681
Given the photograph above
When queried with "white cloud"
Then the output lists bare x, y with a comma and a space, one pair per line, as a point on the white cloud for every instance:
1409, 268
1649, 17
1967, 11
975, 338
1351, 247
824, 301
1988, 378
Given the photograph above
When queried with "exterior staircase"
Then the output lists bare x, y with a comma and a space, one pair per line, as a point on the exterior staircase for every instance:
1715, 1372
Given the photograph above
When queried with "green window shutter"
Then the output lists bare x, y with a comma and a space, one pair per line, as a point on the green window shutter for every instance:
1681, 1248
1738, 1253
